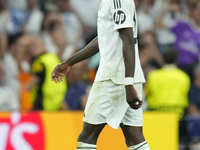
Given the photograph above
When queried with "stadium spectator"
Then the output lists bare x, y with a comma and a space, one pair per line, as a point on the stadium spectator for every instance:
18, 19
17, 4
194, 93
145, 21
8, 99
192, 120
187, 36
12, 61
53, 34
173, 9
87, 12
76, 96
35, 18
153, 7
149, 54
73, 27
45, 95
4, 17
167, 88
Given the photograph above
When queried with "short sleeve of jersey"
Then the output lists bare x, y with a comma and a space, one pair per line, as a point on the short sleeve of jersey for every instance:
123, 13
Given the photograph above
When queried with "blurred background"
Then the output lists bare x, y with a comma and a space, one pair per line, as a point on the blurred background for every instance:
36, 35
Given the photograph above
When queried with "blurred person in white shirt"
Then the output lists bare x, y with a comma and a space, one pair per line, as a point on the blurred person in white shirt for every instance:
173, 9
21, 16
12, 61
87, 11
145, 21
34, 22
53, 35
73, 27
8, 100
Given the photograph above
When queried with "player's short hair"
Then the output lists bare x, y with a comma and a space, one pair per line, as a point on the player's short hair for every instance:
170, 56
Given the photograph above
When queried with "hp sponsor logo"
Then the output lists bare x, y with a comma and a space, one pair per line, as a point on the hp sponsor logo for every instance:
119, 17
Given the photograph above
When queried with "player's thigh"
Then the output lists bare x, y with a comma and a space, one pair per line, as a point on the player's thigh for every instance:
90, 133
133, 134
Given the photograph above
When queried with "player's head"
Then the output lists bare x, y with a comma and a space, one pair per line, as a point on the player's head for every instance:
170, 56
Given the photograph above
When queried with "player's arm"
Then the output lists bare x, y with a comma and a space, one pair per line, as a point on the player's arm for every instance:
63, 68
128, 48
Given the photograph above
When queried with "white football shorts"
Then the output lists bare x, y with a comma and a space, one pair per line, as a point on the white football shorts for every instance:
107, 104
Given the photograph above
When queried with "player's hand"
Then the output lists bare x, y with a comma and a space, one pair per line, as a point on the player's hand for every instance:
60, 71
132, 97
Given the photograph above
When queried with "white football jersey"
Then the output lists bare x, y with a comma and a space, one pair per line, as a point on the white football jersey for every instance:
114, 15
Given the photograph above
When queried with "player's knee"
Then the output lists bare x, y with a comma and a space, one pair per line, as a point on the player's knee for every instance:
90, 133
87, 137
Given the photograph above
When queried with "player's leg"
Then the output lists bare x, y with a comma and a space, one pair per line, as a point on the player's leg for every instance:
134, 138
88, 137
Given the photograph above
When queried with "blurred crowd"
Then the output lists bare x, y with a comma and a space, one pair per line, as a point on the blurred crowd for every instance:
36, 35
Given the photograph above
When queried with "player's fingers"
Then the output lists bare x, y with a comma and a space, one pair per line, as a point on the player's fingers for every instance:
139, 100
139, 105
58, 79
52, 76
61, 78
55, 79
133, 104
54, 72
136, 104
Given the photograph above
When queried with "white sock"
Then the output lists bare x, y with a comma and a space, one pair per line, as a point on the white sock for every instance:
141, 146
85, 146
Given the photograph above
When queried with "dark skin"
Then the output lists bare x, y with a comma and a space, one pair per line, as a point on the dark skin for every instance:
90, 133
63, 68
129, 62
